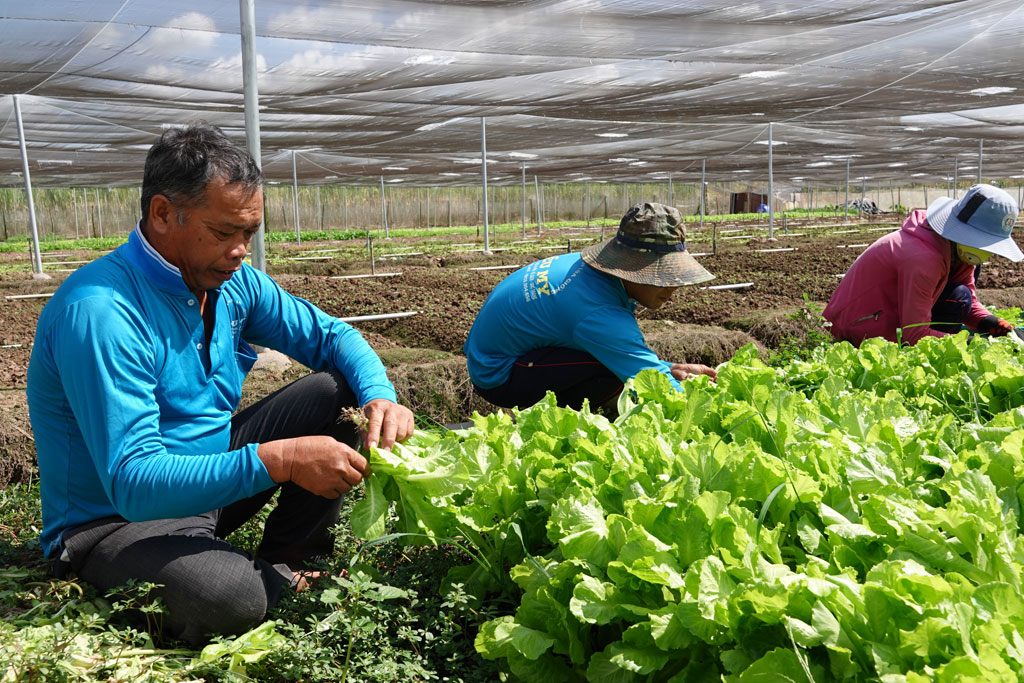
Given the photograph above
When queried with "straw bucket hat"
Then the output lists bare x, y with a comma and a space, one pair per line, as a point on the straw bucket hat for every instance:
983, 219
649, 249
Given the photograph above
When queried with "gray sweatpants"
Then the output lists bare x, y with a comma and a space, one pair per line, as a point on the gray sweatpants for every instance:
209, 586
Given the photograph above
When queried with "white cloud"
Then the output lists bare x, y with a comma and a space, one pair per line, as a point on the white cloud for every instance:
432, 126
192, 32
438, 60
995, 90
763, 74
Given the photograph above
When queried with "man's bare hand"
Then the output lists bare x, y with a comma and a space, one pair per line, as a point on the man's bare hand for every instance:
387, 422
683, 371
319, 464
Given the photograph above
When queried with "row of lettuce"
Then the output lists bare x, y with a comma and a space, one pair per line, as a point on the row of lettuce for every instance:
850, 517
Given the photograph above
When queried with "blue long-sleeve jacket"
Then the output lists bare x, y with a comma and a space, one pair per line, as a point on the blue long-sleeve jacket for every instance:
560, 302
132, 414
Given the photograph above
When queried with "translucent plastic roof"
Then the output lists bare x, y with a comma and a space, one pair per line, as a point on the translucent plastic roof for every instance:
615, 90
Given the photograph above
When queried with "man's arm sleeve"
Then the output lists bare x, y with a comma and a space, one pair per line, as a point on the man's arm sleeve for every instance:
108, 374
299, 329
613, 337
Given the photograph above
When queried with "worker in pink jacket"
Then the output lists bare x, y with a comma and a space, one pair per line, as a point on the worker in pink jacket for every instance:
919, 280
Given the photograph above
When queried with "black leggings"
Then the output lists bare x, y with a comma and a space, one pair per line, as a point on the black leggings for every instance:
209, 586
571, 374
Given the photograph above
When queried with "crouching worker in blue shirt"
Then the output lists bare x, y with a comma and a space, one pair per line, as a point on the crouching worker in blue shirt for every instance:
134, 380
567, 324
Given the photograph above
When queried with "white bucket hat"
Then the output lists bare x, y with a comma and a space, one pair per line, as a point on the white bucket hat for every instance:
983, 219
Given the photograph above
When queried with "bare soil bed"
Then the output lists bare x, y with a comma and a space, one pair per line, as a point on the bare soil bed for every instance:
423, 352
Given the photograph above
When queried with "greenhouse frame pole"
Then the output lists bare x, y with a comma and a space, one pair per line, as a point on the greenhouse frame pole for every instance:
671, 191
247, 14
981, 145
74, 196
295, 198
703, 192
536, 192
956, 177
428, 207
99, 210
771, 186
383, 209
524, 200
846, 202
37, 257
483, 169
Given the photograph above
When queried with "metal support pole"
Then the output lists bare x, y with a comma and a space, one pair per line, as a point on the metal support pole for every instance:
383, 209
483, 168
319, 210
771, 187
74, 196
981, 145
369, 246
99, 210
250, 87
846, 202
671, 192
449, 207
295, 198
37, 257
956, 178
587, 204
536, 192
703, 192
524, 200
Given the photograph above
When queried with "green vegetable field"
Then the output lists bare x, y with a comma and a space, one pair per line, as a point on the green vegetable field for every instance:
851, 517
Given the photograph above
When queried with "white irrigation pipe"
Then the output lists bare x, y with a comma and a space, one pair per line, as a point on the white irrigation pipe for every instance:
65, 263
382, 316
308, 258
765, 251
401, 253
739, 285
29, 296
356, 277
851, 246
701, 253
738, 237
512, 267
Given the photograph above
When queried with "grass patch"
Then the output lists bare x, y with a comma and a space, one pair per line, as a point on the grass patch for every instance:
389, 620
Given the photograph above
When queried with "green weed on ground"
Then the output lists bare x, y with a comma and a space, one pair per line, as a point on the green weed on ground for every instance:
387, 620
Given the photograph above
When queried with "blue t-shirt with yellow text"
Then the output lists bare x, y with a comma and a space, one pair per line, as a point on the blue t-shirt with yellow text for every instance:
558, 302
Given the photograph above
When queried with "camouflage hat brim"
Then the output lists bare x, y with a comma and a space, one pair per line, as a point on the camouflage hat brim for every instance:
671, 269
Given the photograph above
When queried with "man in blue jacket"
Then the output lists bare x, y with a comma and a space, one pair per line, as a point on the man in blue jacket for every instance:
134, 380
567, 324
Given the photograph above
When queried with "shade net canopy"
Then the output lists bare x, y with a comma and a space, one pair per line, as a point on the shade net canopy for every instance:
572, 90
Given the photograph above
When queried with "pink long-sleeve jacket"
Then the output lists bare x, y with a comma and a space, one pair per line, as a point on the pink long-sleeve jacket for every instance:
895, 282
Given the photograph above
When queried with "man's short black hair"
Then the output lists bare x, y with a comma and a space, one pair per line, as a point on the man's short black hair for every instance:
184, 161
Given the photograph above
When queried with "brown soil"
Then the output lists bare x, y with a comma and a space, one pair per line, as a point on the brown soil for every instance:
423, 352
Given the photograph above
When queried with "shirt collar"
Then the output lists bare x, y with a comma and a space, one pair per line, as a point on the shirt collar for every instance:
159, 270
